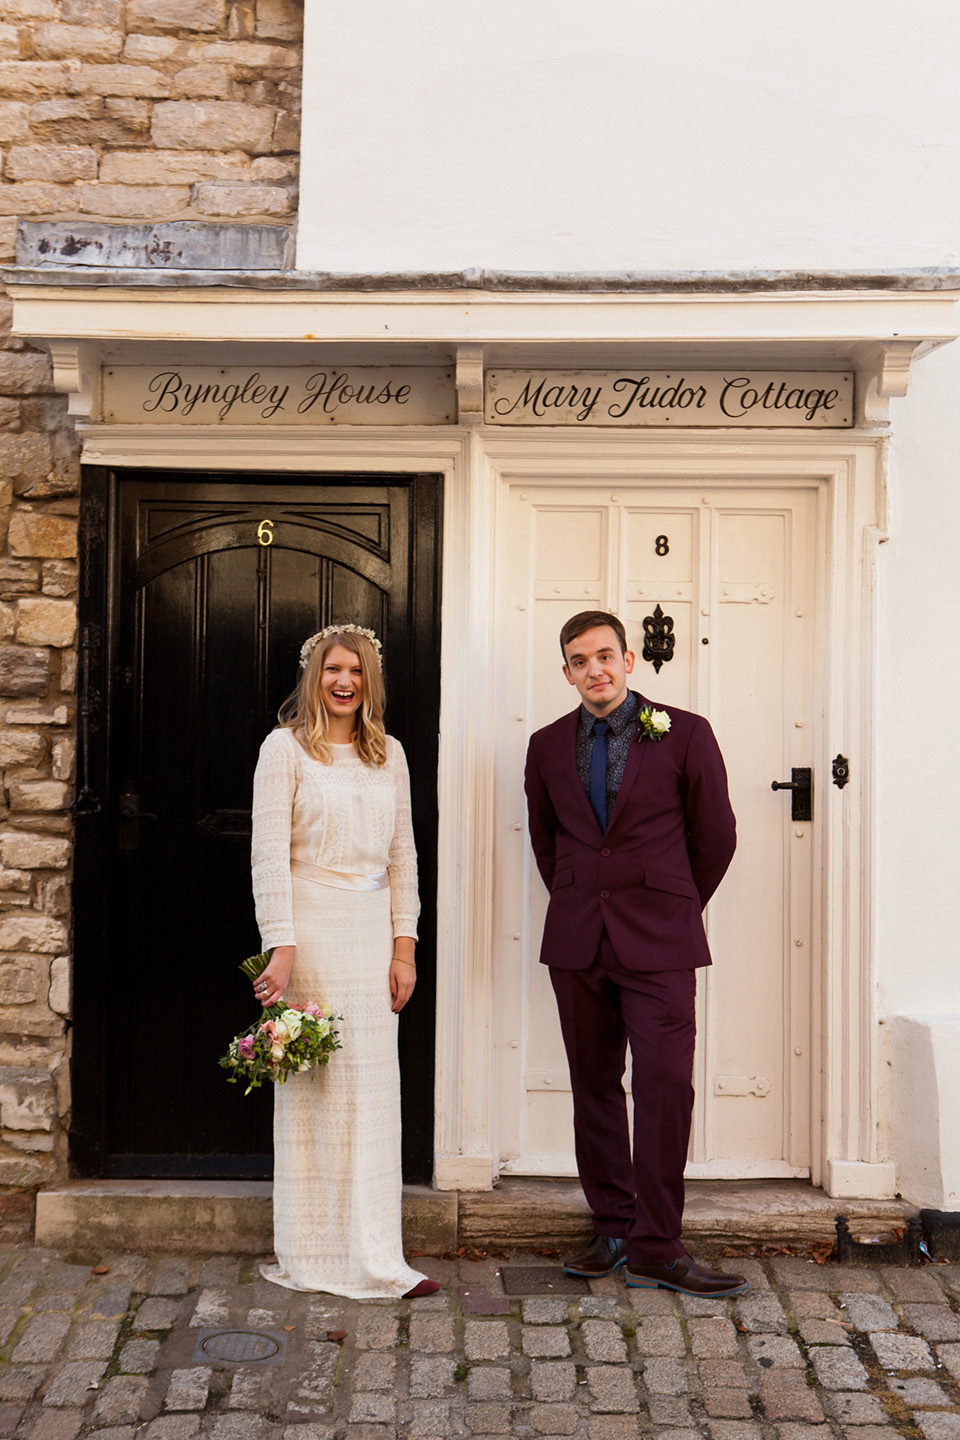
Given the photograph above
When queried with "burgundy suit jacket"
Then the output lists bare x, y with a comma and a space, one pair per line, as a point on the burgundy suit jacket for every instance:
671, 836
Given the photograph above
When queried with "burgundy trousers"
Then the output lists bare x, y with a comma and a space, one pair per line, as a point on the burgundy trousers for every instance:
639, 1198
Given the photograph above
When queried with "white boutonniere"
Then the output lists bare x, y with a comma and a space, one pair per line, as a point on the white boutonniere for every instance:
652, 724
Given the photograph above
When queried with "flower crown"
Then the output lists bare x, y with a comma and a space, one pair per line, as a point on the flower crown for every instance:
308, 646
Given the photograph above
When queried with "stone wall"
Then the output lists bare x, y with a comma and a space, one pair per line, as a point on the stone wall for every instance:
39, 484
110, 110
149, 109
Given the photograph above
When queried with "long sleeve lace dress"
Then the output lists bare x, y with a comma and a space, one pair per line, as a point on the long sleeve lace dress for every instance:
335, 874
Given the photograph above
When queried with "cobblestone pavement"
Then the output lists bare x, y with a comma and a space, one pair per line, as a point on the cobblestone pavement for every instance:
112, 1346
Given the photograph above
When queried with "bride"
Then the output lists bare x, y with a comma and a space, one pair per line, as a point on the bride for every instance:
335, 886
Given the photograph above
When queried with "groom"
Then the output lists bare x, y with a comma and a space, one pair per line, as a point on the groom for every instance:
632, 832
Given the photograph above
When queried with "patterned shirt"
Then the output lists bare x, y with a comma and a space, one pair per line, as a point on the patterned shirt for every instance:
622, 722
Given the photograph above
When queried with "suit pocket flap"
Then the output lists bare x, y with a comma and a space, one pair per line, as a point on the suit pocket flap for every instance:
562, 877
672, 884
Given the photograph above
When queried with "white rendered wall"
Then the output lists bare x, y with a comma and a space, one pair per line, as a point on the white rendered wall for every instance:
545, 135
919, 702
923, 1056
918, 814
629, 134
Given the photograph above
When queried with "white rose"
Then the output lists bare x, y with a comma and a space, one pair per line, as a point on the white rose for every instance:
293, 1022
660, 721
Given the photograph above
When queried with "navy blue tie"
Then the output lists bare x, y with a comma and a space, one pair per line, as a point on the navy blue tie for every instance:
598, 771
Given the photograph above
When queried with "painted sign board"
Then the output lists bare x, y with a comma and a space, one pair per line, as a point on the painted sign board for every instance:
629, 397
423, 395
275, 395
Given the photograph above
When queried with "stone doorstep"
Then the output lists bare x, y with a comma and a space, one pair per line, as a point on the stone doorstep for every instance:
234, 1216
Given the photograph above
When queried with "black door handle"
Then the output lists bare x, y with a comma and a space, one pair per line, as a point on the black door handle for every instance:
801, 805
130, 809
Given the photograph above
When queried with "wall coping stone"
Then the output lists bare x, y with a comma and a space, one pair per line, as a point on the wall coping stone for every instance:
83, 273
180, 245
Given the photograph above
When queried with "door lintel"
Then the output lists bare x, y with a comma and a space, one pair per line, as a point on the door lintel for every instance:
874, 324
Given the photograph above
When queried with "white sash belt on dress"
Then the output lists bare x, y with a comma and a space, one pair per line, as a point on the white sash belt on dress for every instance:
338, 879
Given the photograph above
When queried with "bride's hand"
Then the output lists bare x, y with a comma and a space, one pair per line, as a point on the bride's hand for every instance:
403, 972
268, 988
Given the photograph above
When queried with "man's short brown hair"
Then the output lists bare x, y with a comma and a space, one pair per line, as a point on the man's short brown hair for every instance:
589, 620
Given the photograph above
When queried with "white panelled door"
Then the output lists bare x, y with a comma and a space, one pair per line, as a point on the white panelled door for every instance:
734, 568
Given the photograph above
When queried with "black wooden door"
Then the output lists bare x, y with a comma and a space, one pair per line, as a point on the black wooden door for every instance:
194, 611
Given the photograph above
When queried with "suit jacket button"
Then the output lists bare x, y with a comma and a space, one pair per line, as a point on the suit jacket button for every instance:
604, 894
604, 852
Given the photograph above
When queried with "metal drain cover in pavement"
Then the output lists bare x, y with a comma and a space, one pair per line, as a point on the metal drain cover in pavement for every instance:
476, 1300
541, 1280
240, 1347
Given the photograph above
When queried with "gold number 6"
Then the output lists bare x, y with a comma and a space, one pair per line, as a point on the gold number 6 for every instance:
265, 532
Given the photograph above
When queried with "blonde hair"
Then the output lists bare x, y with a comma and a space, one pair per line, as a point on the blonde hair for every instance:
305, 714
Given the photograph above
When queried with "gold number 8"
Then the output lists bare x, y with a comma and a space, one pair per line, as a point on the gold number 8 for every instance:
265, 532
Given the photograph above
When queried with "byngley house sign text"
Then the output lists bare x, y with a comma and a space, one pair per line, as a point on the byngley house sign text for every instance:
275, 395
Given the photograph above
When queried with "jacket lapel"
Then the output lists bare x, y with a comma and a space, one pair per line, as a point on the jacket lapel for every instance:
635, 758
568, 737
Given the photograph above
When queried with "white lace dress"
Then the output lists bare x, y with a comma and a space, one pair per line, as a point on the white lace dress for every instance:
323, 836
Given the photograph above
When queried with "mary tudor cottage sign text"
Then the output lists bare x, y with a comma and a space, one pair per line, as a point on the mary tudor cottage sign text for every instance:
630, 397
423, 395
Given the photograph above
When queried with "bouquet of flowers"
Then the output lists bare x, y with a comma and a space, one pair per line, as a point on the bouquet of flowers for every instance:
285, 1041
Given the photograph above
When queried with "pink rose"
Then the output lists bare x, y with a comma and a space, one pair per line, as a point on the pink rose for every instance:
312, 1009
245, 1047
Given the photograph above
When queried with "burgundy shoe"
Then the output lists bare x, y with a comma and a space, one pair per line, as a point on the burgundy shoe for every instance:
603, 1256
422, 1287
687, 1276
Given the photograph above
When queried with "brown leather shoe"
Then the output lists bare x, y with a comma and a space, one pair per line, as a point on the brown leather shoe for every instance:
687, 1276
603, 1256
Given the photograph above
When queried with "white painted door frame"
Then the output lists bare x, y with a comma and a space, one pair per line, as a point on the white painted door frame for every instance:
849, 469
477, 461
